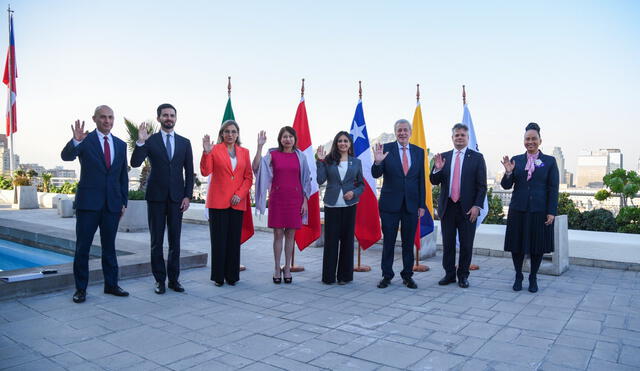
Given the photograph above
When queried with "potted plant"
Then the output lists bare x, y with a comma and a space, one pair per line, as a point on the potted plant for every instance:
25, 193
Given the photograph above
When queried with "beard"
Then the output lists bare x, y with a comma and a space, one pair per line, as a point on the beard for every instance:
167, 124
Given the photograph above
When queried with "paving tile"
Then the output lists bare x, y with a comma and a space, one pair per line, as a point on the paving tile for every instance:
38, 364
391, 354
176, 353
511, 353
630, 356
339, 362
93, 349
308, 350
132, 340
599, 365
285, 363
118, 361
537, 323
438, 361
584, 325
606, 351
480, 330
468, 346
570, 357
256, 347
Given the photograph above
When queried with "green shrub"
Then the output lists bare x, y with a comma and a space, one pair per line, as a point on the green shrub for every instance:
67, 188
495, 215
628, 220
568, 208
6, 183
435, 193
136, 195
599, 220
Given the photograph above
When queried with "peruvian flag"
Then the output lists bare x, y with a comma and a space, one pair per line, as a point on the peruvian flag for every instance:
310, 232
367, 229
9, 79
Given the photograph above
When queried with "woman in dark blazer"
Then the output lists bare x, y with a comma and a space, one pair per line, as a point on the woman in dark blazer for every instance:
534, 204
343, 174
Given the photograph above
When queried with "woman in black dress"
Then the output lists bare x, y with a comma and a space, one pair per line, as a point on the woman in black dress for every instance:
534, 203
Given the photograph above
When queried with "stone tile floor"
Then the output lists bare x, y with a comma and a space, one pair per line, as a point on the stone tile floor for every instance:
589, 318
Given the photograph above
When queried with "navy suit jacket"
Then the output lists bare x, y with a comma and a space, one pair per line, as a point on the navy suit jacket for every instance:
540, 194
473, 181
398, 187
99, 186
168, 180
352, 181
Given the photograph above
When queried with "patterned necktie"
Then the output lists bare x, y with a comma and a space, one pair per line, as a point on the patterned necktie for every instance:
107, 152
405, 160
169, 146
455, 186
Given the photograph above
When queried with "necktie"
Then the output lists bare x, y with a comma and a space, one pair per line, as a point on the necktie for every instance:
169, 146
107, 152
405, 161
455, 185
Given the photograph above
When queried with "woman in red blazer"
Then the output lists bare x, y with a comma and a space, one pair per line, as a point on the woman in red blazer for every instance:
231, 178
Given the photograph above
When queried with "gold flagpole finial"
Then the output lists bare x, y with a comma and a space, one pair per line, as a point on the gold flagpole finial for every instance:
229, 86
464, 95
360, 89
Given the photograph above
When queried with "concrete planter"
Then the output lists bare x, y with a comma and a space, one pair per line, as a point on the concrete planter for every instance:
26, 197
135, 217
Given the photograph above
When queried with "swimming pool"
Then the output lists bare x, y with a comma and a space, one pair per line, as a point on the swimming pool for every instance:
16, 256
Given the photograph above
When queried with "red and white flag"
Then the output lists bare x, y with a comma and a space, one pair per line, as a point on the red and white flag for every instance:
310, 232
9, 79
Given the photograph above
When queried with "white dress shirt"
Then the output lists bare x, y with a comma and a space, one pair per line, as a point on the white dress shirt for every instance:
101, 141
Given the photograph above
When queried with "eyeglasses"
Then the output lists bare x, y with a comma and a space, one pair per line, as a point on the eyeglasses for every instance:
231, 132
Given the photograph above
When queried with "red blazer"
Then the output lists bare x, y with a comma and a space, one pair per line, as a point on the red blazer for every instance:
226, 182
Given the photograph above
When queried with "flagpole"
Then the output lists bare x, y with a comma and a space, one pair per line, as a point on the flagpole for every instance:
472, 267
419, 267
359, 267
294, 267
9, 105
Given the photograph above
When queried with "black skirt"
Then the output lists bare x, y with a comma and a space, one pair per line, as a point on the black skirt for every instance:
527, 233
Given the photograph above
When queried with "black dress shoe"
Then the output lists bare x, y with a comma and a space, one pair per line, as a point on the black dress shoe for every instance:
410, 283
342, 283
446, 280
230, 283
219, 283
80, 296
116, 291
463, 282
159, 289
384, 283
517, 284
533, 284
176, 286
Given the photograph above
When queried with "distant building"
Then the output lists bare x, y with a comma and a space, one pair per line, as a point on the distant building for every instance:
35, 167
568, 179
594, 165
557, 153
5, 154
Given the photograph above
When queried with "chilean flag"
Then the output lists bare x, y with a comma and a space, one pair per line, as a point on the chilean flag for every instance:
311, 231
9, 79
367, 228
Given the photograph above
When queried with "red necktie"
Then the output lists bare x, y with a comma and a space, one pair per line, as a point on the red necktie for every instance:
107, 152
455, 185
405, 161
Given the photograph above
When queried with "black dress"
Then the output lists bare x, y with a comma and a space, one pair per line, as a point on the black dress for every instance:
532, 200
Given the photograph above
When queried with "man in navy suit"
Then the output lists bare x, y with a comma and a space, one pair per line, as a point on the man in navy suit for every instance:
462, 175
402, 199
101, 198
169, 189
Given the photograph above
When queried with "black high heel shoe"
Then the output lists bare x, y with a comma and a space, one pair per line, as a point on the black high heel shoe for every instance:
277, 280
287, 279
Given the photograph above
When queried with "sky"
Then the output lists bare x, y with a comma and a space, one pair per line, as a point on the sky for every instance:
570, 66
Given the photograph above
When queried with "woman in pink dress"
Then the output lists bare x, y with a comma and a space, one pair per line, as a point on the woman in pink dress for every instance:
285, 173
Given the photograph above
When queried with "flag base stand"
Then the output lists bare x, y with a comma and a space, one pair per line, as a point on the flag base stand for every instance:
474, 267
242, 268
420, 268
294, 267
362, 268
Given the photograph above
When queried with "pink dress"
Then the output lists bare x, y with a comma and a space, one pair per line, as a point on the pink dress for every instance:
285, 196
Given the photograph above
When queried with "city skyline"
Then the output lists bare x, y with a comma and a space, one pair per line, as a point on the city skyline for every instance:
570, 71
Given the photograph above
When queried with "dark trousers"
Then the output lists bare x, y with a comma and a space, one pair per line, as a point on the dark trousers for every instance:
518, 260
225, 228
161, 214
339, 225
87, 222
456, 220
390, 223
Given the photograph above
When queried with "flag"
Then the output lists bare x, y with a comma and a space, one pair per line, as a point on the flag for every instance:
9, 79
310, 232
247, 219
425, 225
367, 228
473, 144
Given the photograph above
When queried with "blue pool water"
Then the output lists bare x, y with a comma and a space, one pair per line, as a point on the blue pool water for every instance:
16, 256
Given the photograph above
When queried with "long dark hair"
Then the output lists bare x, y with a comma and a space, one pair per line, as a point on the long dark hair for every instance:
290, 130
334, 155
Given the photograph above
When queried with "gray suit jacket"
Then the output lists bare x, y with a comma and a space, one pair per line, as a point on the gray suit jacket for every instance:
352, 181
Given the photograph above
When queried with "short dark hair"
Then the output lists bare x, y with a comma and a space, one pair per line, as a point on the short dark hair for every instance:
334, 154
290, 130
165, 105
533, 126
460, 126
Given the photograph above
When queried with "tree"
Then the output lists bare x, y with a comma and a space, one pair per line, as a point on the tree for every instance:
46, 182
495, 214
132, 138
568, 208
622, 183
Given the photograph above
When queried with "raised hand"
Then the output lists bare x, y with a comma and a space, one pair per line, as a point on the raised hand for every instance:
508, 165
78, 131
207, 145
320, 153
439, 161
262, 138
143, 133
378, 154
